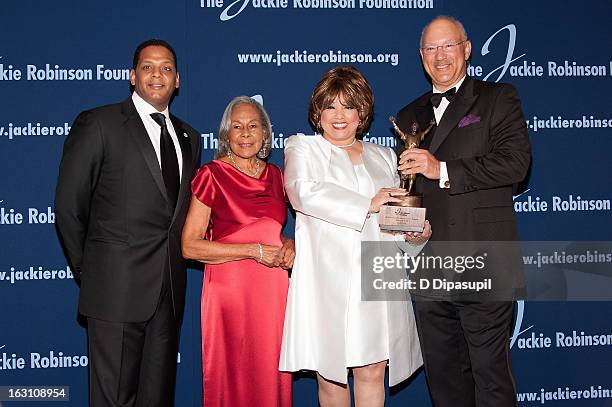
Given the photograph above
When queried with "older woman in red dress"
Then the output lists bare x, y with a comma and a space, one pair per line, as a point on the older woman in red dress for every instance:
239, 206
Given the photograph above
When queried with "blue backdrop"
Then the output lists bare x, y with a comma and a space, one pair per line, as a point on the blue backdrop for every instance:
58, 58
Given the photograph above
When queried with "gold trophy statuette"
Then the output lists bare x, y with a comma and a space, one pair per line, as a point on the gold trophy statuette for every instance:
408, 215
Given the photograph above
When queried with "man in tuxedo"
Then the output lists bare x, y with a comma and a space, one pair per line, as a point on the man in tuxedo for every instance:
121, 200
469, 161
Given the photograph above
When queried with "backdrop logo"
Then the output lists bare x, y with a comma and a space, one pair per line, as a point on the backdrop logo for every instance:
236, 7
509, 53
557, 68
11, 361
520, 313
35, 273
12, 216
56, 72
528, 202
559, 339
533, 341
476, 70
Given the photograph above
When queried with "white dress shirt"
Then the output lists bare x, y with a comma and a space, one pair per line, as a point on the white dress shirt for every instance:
154, 130
438, 113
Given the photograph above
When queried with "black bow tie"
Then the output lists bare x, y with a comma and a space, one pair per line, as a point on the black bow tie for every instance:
436, 98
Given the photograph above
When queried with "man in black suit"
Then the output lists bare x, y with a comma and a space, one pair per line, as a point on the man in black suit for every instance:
468, 163
122, 197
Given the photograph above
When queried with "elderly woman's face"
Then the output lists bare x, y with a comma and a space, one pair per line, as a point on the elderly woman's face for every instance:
339, 122
246, 131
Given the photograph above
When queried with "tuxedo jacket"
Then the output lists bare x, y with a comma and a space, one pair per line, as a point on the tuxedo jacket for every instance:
113, 215
483, 139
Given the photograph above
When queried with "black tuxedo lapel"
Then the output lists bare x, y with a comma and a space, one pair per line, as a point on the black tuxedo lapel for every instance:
185, 143
461, 104
138, 131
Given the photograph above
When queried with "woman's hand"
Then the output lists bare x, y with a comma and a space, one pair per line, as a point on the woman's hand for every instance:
417, 238
287, 253
384, 196
269, 256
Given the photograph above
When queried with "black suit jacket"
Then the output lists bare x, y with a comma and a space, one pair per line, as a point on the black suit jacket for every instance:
483, 139
113, 216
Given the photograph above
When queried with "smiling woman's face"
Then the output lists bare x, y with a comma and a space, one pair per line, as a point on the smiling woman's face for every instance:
246, 131
339, 122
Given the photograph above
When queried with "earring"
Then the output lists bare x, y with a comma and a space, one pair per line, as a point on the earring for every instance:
229, 153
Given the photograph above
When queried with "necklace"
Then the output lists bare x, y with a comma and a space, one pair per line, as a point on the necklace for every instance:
254, 174
349, 144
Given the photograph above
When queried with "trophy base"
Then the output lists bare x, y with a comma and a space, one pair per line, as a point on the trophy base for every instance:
404, 216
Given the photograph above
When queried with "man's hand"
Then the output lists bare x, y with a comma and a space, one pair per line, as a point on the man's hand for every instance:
419, 161
417, 238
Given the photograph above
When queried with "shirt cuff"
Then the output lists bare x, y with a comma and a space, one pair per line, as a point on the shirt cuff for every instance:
444, 181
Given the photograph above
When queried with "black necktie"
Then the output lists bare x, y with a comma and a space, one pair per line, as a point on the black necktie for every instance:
436, 98
169, 162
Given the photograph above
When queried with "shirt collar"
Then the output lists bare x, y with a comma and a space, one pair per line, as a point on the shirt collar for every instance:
144, 108
457, 85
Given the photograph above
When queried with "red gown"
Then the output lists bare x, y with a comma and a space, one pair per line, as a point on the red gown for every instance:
243, 302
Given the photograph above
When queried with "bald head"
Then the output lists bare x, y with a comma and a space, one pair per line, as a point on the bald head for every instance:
448, 19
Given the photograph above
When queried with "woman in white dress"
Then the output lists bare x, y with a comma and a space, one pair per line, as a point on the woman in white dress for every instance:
337, 183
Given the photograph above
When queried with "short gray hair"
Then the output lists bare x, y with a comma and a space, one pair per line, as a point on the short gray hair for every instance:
446, 18
226, 122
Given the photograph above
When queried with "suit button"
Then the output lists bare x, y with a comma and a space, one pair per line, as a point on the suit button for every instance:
451, 222
446, 184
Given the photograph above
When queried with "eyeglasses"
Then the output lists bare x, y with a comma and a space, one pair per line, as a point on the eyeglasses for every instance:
432, 49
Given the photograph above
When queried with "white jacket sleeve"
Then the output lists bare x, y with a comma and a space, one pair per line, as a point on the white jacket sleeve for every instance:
313, 196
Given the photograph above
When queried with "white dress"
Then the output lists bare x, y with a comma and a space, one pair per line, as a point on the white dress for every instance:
327, 327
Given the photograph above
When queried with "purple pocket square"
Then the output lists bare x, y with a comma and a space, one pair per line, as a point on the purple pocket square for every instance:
469, 119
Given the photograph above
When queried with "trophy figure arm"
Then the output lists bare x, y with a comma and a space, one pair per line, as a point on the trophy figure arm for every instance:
396, 128
427, 130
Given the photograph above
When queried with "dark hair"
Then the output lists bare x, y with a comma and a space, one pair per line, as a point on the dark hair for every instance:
352, 86
156, 43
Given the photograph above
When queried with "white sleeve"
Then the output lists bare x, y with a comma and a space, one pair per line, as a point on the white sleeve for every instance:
315, 197
444, 181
